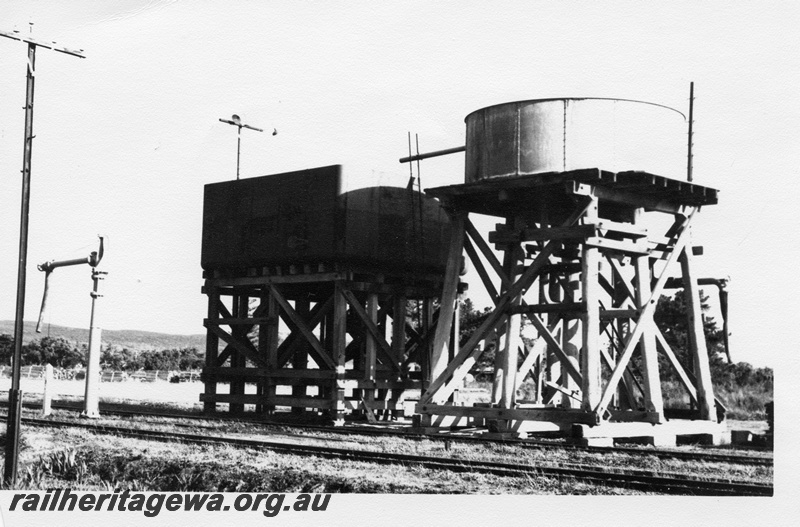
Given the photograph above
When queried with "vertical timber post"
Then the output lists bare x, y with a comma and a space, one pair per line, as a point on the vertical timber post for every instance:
514, 260
455, 340
697, 338
339, 345
654, 401
240, 307
590, 358
300, 357
370, 352
398, 343
572, 338
438, 360
212, 349
399, 325
269, 334
424, 353
47, 397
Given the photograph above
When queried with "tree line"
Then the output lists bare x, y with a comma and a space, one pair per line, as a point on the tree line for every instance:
62, 353
670, 316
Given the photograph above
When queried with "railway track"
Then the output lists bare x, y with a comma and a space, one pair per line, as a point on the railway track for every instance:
662, 483
702, 457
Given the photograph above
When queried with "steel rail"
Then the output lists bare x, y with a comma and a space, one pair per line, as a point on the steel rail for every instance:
628, 478
704, 457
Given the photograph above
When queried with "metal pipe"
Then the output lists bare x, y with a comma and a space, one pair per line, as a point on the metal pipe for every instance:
52, 264
238, 150
691, 121
237, 122
43, 309
15, 396
91, 404
722, 285
437, 153
93, 260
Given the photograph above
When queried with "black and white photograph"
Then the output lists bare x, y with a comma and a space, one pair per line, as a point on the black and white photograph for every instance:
398, 263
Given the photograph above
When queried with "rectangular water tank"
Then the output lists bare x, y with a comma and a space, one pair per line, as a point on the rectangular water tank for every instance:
306, 217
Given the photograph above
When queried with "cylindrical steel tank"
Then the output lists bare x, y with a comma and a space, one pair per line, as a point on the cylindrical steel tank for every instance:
555, 135
307, 217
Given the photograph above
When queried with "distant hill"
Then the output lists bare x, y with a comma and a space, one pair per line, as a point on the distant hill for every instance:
127, 338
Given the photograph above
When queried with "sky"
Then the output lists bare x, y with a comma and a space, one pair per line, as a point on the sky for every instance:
127, 137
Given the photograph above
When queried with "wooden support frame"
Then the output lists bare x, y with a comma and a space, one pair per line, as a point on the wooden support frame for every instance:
645, 316
705, 390
606, 228
444, 384
441, 339
513, 340
654, 401
212, 350
373, 333
339, 326
339, 338
590, 356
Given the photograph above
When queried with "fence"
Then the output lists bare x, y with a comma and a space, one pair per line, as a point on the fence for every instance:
37, 372
26, 372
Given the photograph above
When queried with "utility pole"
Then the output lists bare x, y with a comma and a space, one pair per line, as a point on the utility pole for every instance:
15, 395
236, 121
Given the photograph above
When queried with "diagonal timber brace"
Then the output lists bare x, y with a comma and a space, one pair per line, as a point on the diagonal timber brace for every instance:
301, 325
556, 348
537, 350
245, 348
645, 319
440, 389
373, 330
486, 251
290, 345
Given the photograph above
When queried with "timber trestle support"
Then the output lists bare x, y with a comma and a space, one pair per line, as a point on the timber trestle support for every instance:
585, 256
326, 341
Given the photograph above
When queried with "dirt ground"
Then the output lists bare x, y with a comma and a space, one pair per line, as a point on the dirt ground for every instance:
187, 395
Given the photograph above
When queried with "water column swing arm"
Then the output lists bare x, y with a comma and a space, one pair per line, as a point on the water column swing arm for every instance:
48, 267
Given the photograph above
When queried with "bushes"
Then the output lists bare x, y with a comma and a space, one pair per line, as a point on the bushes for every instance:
58, 351
123, 359
62, 353
742, 374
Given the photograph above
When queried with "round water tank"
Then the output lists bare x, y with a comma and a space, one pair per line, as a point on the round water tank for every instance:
555, 135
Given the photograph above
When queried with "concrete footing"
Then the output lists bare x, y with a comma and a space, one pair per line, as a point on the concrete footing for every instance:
666, 434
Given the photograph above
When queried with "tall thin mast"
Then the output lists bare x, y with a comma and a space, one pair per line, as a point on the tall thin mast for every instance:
15, 395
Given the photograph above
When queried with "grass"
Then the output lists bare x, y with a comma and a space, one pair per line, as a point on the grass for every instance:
744, 403
80, 460
101, 462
